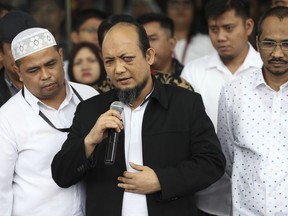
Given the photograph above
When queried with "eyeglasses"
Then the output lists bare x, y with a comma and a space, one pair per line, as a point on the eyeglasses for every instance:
89, 29
271, 45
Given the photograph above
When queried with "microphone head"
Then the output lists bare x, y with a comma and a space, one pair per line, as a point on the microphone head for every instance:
117, 105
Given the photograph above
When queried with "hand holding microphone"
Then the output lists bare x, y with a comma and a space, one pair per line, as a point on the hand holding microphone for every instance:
111, 147
110, 120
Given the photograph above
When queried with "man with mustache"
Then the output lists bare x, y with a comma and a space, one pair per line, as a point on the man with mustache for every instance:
253, 125
34, 123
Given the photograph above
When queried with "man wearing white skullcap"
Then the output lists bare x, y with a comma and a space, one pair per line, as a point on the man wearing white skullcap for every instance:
34, 124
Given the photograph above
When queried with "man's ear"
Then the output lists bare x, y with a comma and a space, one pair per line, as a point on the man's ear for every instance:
60, 51
74, 37
150, 54
17, 70
172, 43
249, 25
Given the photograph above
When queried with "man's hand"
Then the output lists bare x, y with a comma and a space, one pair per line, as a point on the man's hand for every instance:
144, 182
109, 120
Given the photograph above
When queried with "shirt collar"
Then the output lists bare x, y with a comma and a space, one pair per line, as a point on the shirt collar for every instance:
252, 60
260, 81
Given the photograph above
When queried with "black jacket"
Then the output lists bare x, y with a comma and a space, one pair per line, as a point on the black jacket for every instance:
4, 90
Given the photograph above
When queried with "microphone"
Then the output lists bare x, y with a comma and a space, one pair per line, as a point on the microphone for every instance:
111, 146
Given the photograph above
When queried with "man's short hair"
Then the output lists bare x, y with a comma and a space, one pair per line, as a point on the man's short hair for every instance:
164, 21
83, 15
111, 21
215, 8
280, 12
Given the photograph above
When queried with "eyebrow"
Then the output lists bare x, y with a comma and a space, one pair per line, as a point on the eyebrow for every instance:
53, 60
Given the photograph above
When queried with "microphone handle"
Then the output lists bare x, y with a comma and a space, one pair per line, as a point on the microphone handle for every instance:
111, 147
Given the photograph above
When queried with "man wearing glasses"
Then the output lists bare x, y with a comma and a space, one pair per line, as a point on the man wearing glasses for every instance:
85, 26
253, 125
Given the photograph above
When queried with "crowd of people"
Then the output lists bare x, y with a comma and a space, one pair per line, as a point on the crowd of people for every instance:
202, 128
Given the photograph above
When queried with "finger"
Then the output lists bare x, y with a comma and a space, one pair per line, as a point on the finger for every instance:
129, 175
136, 166
115, 114
126, 186
123, 180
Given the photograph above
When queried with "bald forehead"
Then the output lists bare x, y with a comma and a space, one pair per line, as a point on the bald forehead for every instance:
126, 30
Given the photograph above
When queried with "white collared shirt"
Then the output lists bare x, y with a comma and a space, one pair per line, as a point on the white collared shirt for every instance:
208, 75
27, 147
133, 203
200, 45
253, 131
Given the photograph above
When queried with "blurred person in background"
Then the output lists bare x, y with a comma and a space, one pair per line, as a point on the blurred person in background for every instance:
4, 9
85, 64
275, 3
50, 14
85, 26
137, 8
10, 25
190, 43
160, 31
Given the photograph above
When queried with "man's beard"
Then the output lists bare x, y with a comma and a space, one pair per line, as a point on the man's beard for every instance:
127, 96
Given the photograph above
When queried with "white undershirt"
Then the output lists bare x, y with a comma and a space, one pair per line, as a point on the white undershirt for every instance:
133, 204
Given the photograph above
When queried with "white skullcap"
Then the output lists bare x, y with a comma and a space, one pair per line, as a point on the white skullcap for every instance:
30, 41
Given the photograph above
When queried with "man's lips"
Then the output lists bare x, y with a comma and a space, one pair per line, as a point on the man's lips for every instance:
48, 86
123, 80
223, 47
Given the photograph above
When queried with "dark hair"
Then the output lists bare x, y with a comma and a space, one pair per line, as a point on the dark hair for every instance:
164, 21
215, 8
280, 12
82, 16
194, 25
111, 21
58, 3
94, 49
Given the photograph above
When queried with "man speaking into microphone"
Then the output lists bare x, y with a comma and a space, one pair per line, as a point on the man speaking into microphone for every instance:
167, 147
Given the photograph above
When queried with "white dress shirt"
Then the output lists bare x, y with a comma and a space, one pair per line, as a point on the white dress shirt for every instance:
133, 203
27, 147
253, 131
208, 75
200, 45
